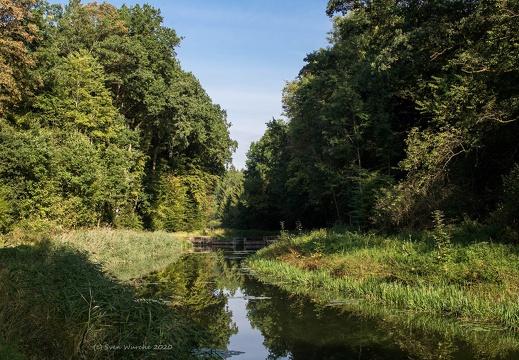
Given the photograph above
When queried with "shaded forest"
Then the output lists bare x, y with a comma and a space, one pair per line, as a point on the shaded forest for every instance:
99, 124
411, 110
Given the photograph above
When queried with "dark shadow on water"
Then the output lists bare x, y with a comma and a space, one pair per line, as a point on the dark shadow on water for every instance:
215, 294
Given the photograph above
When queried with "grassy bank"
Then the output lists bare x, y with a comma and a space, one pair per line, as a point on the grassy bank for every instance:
456, 273
126, 253
58, 298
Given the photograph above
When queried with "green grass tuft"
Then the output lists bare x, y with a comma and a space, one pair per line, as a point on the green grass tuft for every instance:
127, 254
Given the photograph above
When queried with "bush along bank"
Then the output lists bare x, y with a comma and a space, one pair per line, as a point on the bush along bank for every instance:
470, 280
55, 303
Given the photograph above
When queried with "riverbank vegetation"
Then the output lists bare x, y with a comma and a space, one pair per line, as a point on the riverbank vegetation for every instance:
407, 123
59, 301
99, 123
100, 127
448, 272
126, 254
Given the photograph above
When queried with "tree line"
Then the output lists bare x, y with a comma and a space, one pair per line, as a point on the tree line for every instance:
411, 109
99, 124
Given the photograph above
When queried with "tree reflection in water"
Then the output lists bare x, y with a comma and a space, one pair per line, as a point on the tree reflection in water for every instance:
199, 286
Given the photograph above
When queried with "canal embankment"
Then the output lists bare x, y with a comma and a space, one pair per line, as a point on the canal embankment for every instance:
79, 294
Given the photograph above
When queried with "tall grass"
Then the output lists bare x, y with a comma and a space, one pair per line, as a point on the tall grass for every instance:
471, 282
62, 295
127, 254
55, 303
7, 351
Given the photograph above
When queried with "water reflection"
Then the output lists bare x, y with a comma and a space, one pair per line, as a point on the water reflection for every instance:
249, 338
198, 286
293, 327
260, 321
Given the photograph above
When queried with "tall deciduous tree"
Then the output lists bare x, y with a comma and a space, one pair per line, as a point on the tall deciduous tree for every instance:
180, 130
17, 32
228, 206
412, 108
79, 100
267, 197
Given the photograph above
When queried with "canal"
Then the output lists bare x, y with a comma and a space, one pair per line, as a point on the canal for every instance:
246, 319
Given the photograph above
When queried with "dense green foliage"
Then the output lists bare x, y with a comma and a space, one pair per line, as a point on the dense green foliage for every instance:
227, 207
99, 124
411, 109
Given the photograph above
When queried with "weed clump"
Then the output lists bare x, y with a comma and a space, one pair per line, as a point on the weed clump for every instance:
441, 236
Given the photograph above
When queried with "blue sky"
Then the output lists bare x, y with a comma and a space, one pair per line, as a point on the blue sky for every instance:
243, 52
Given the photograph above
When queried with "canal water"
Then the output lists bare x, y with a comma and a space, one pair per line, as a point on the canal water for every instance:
246, 319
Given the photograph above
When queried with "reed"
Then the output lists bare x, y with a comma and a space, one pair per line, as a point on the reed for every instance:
58, 302
127, 254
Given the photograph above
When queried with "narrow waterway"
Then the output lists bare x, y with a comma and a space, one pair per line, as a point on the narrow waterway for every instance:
246, 319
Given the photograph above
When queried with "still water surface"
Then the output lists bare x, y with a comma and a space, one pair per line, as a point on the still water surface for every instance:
275, 325
246, 319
